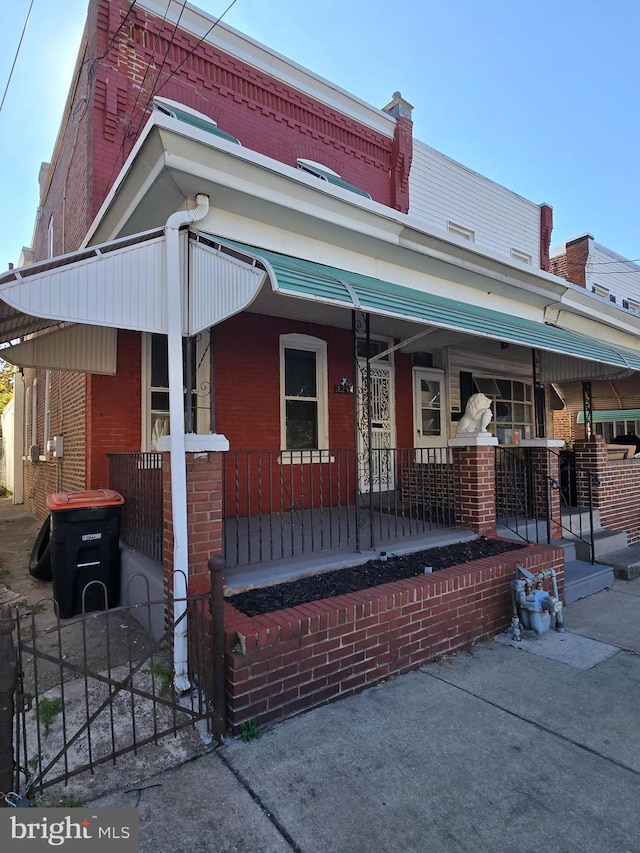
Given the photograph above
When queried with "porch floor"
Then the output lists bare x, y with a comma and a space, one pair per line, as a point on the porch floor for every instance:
243, 577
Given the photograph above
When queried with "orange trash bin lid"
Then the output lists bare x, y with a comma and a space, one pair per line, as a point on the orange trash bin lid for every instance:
78, 500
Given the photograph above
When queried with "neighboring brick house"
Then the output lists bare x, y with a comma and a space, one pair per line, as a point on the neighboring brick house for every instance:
334, 254
614, 282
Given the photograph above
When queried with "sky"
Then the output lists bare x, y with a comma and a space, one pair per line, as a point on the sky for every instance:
541, 96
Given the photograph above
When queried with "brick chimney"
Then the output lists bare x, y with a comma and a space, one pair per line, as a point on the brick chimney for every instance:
401, 151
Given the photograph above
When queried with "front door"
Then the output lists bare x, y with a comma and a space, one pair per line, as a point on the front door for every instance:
376, 471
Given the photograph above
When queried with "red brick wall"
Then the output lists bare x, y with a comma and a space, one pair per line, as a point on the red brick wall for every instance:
266, 115
114, 406
306, 656
563, 423
204, 516
248, 413
248, 380
617, 496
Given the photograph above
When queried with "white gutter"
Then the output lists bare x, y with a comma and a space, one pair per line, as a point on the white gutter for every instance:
174, 291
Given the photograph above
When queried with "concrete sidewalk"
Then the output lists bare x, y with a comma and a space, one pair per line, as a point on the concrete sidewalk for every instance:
502, 750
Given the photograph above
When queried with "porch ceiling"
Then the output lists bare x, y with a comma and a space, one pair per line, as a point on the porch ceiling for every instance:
328, 286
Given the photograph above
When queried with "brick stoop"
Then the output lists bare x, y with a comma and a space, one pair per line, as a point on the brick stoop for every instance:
289, 661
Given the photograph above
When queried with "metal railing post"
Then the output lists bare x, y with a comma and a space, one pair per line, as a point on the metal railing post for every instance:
8, 684
216, 571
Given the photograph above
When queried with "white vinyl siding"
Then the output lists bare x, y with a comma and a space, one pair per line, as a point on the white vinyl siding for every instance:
443, 191
610, 272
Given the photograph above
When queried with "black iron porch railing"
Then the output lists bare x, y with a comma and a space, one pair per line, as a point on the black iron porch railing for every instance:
524, 497
280, 505
138, 478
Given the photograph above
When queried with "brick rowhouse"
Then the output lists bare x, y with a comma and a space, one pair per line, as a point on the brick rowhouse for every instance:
123, 61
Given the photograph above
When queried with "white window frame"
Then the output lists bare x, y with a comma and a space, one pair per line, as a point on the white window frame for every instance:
601, 291
31, 420
522, 257
50, 237
319, 348
28, 418
44, 450
203, 420
461, 231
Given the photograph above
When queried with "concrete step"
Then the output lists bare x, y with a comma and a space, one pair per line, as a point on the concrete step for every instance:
605, 542
582, 579
576, 519
569, 547
525, 529
625, 562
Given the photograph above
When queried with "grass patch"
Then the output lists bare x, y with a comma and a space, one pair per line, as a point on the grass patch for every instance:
250, 731
47, 711
161, 675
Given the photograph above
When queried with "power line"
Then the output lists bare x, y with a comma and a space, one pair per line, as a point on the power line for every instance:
157, 89
128, 133
15, 58
196, 46
608, 263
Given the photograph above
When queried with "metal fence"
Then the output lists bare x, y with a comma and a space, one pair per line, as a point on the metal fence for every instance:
280, 505
283, 504
138, 478
537, 506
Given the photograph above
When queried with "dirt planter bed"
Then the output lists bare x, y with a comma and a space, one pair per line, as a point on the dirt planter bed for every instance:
288, 661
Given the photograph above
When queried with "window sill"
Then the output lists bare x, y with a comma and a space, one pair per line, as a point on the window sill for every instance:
304, 457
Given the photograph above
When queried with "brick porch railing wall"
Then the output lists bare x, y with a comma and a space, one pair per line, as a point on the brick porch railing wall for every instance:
618, 495
474, 471
286, 662
204, 515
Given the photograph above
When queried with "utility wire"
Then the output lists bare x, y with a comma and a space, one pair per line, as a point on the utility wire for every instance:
153, 50
157, 89
196, 46
608, 263
15, 58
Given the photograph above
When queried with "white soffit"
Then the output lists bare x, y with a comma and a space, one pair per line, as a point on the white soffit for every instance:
220, 285
84, 349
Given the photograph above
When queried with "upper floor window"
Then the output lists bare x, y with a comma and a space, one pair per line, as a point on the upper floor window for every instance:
600, 291
324, 173
461, 232
303, 393
50, 251
523, 257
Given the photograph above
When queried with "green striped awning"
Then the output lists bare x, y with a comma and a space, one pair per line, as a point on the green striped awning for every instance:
607, 415
308, 280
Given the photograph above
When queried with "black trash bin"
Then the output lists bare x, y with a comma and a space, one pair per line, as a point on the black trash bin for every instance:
85, 547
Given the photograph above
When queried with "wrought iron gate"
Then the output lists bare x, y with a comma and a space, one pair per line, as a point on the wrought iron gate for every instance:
98, 686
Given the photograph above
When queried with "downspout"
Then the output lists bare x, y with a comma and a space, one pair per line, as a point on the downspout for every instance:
174, 296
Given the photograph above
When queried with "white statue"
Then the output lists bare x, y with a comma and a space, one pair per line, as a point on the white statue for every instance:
477, 416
